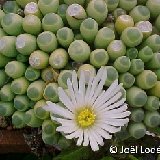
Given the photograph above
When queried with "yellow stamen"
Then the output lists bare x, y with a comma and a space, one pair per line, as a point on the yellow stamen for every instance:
86, 117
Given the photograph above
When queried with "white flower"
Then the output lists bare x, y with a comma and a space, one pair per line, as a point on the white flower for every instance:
90, 113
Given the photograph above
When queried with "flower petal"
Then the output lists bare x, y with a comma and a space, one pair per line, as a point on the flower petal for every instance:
82, 83
81, 91
56, 109
100, 86
109, 128
107, 106
71, 91
86, 138
80, 139
93, 142
115, 122
112, 87
119, 109
75, 84
75, 134
102, 132
66, 122
88, 89
108, 94
66, 129
94, 84
119, 115
74, 81
97, 136
65, 99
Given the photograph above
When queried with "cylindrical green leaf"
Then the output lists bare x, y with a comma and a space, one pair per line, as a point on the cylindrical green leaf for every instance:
145, 27
49, 75
21, 102
127, 4
2, 33
32, 24
116, 49
31, 120
112, 75
157, 72
157, 23
15, 69
39, 111
132, 36
136, 97
79, 51
62, 12
154, 63
132, 53
97, 10
47, 41
99, 57
20, 85
155, 90
137, 130
51, 92
137, 114
122, 64
64, 143
6, 93
32, 74
6, 108
35, 90
137, 66
152, 119
48, 6
3, 78
26, 44
39, 59
153, 6
122, 22
58, 58
145, 54
146, 79
127, 79
153, 42
50, 139
32, 8
52, 22
103, 38
7, 46
152, 103
3, 60
65, 36
112, 4
10, 7
49, 127
89, 29
12, 24
18, 119
140, 13
75, 14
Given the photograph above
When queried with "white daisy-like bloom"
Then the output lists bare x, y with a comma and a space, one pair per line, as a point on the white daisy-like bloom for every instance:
91, 114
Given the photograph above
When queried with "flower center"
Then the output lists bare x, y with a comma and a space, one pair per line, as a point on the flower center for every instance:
86, 117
